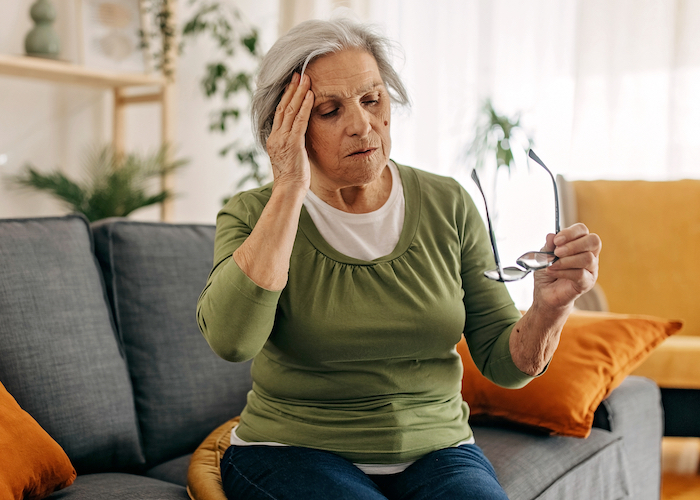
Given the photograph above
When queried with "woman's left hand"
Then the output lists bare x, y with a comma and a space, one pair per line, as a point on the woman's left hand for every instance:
574, 273
536, 335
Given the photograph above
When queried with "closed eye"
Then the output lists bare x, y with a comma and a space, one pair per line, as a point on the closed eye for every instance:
372, 98
330, 113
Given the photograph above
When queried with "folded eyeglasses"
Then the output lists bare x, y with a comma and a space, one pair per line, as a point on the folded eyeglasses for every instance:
529, 261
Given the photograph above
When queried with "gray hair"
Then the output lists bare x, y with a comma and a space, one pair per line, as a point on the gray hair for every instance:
306, 41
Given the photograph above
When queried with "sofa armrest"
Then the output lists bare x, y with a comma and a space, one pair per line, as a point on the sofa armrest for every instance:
634, 412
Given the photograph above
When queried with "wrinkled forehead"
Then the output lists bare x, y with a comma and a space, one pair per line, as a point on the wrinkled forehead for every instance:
348, 92
344, 74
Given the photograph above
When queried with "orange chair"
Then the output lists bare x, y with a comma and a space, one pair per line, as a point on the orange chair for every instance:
650, 264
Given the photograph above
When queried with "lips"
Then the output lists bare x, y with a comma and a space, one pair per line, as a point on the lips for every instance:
363, 152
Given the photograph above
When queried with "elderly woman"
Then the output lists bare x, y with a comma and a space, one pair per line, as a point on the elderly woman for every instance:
349, 279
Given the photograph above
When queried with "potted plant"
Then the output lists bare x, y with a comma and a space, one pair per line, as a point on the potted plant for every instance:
113, 185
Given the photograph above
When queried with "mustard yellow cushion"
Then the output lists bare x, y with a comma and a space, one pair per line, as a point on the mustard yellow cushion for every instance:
204, 474
596, 352
651, 241
675, 364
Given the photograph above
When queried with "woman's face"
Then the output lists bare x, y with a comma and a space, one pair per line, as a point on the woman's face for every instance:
348, 134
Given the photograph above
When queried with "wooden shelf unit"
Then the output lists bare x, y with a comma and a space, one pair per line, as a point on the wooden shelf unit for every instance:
160, 91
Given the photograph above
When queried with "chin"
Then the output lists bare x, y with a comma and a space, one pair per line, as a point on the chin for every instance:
355, 171
367, 173
369, 168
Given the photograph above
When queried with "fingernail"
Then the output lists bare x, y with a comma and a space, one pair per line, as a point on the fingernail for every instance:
295, 78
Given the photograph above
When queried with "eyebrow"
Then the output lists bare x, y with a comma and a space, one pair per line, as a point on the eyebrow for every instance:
361, 90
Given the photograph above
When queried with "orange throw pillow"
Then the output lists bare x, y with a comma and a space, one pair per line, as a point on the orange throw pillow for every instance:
32, 464
596, 352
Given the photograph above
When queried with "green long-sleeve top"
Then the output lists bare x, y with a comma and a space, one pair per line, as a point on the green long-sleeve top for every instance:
358, 357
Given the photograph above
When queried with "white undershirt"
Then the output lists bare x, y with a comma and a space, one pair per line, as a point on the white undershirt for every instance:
361, 236
366, 468
365, 237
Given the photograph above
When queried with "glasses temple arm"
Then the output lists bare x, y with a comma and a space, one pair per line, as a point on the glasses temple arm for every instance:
532, 155
492, 235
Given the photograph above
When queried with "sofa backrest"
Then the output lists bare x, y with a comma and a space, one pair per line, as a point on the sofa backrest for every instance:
154, 274
59, 355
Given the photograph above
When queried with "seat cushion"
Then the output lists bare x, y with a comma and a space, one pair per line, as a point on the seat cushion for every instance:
555, 467
172, 471
675, 363
59, 357
115, 486
528, 466
155, 273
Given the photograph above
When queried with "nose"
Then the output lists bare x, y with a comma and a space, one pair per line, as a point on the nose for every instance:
358, 121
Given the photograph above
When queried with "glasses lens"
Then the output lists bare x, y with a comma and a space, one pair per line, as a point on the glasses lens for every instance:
509, 274
536, 260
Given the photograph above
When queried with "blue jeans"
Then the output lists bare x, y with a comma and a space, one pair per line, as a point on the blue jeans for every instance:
290, 472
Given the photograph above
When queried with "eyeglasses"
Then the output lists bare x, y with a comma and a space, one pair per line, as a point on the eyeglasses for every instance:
529, 261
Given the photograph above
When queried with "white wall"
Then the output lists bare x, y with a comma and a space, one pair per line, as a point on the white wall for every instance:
53, 125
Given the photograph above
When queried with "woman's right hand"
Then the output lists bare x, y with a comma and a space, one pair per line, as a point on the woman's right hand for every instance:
286, 144
264, 255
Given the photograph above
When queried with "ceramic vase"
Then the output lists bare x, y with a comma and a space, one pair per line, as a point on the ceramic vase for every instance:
42, 40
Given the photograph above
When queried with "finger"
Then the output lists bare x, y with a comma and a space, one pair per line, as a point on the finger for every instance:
585, 260
292, 109
284, 102
549, 243
301, 122
588, 243
570, 233
581, 279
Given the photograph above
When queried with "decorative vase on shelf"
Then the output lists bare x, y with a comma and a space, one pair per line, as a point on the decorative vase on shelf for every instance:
42, 40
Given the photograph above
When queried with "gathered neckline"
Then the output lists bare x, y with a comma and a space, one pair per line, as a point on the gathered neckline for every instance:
412, 196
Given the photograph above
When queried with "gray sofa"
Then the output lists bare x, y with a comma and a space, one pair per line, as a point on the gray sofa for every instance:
100, 345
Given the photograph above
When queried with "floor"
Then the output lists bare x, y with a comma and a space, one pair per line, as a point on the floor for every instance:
681, 469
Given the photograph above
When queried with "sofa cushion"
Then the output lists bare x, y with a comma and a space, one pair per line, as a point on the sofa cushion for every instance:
675, 363
59, 357
117, 486
555, 467
155, 273
172, 471
528, 466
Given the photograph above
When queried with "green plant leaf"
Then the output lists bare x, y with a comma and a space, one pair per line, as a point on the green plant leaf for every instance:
250, 42
55, 183
112, 185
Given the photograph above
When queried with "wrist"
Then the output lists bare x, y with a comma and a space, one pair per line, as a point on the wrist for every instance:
293, 192
548, 314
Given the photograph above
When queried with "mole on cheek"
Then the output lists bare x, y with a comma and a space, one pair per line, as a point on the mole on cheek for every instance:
386, 123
